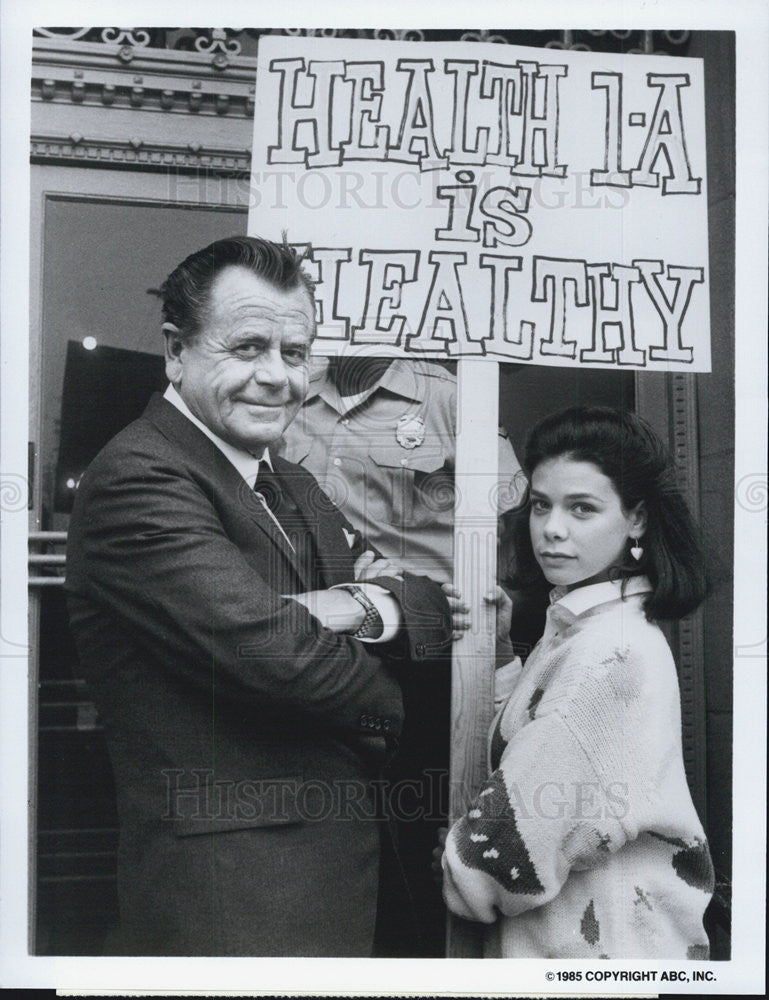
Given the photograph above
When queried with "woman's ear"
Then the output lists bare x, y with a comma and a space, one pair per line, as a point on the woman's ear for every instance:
637, 520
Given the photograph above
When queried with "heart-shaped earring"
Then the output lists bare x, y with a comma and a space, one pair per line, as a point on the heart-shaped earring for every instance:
636, 551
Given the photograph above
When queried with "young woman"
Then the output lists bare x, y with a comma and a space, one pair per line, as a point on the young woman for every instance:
584, 842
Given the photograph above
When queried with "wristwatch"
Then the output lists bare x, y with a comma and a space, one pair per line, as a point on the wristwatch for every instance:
372, 626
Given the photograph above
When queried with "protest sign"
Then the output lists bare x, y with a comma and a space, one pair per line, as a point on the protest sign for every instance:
463, 200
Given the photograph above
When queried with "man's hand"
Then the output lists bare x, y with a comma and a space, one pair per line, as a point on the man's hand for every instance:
368, 567
460, 612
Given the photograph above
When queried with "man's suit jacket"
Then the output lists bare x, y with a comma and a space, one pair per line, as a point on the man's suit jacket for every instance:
243, 735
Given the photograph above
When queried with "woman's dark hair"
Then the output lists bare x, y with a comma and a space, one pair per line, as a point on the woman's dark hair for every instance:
186, 291
629, 452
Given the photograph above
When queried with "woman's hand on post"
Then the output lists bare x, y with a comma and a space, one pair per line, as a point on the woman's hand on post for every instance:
436, 866
460, 612
501, 600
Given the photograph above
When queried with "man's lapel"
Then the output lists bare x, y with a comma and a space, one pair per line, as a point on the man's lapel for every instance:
332, 543
226, 482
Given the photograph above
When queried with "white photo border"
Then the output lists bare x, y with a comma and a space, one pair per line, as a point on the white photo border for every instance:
744, 973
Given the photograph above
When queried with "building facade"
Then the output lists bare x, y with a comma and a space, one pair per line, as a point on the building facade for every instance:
140, 153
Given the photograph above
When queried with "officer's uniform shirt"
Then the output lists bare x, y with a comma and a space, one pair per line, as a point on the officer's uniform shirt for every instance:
386, 457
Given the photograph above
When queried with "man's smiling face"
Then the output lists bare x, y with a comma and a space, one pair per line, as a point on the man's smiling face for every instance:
244, 374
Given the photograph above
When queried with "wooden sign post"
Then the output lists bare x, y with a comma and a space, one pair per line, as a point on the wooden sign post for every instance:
475, 574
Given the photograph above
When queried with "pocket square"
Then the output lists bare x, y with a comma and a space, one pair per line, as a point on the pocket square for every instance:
350, 536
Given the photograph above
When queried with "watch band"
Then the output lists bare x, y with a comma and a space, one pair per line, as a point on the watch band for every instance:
372, 625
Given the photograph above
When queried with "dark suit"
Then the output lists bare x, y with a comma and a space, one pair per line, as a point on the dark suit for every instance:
243, 735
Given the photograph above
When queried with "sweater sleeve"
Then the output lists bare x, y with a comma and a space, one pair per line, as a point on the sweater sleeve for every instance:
549, 808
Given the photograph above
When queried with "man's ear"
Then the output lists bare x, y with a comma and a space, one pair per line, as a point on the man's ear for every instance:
174, 348
638, 520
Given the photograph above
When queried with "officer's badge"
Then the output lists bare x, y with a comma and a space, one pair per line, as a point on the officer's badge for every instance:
410, 431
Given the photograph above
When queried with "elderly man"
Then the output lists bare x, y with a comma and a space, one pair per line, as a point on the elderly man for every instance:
247, 683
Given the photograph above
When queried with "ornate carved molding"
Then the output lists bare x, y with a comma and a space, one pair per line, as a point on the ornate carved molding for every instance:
136, 153
82, 90
684, 437
684, 444
669, 403
117, 74
139, 92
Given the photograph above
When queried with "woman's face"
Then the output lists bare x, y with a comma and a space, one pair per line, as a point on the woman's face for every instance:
579, 528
